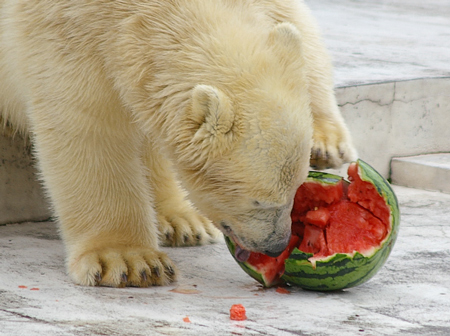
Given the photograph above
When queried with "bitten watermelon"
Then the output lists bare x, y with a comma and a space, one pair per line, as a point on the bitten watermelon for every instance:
342, 233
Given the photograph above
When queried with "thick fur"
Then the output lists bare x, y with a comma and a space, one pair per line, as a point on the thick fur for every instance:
123, 99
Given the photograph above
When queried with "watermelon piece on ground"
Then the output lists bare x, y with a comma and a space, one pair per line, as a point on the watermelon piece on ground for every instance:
238, 313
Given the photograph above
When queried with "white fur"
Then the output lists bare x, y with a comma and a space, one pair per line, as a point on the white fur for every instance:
124, 97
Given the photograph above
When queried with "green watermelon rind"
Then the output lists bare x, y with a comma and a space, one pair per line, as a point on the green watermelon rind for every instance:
246, 266
342, 270
336, 272
323, 178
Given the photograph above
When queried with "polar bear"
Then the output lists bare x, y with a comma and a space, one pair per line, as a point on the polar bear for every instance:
148, 117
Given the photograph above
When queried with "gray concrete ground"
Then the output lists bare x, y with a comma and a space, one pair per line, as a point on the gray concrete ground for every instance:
372, 42
409, 296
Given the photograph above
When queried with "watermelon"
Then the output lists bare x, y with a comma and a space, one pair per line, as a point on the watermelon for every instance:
342, 233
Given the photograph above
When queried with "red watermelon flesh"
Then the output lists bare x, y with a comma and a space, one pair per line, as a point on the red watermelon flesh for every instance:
273, 268
365, 194
340, 218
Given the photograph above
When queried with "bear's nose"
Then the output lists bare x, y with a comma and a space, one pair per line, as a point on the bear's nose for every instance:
276, 249
273, 254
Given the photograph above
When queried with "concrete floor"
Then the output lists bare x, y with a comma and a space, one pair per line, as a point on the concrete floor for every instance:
409, 296
370, 41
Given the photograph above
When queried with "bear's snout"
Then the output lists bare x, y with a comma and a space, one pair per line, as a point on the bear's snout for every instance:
264, 231
276, 248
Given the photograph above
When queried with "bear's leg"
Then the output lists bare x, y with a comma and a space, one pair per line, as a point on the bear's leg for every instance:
180, 224
332, 142
332, 145
91, 165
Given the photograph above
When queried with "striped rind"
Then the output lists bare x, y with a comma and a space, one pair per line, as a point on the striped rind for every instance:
323, 178
336, 272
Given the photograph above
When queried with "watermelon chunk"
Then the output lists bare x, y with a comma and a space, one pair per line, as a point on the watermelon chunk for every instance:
319, 217
342, 232
314, 241
237, 312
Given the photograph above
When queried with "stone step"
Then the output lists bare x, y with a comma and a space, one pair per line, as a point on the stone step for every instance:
428, 172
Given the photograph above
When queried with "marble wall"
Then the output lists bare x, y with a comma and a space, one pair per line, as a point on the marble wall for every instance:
397, 119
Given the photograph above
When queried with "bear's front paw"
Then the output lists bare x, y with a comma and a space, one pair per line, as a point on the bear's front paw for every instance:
332, 148
120, 267
325, 156
185, 227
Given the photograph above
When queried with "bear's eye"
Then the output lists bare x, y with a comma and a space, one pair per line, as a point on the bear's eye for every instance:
226, 227
263, 205
267, 205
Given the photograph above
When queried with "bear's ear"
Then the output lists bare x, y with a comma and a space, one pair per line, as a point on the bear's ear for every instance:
286, 39
212, 116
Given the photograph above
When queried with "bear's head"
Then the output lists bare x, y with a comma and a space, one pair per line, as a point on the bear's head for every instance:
244, 147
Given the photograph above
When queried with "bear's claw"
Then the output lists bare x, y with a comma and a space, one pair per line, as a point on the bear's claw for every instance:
120, 267
324, 156
186, 229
